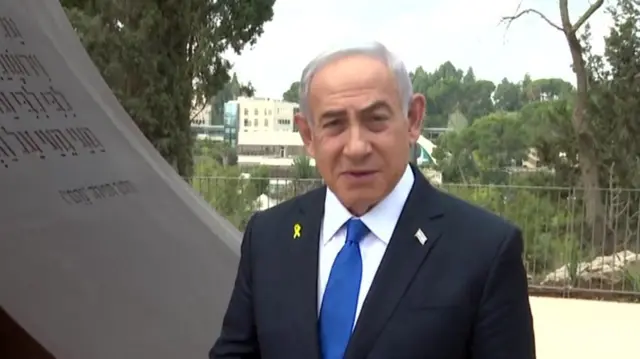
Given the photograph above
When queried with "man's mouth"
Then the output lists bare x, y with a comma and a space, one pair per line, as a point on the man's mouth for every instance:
359, 174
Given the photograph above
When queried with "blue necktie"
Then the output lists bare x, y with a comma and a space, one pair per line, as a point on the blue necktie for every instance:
340, 300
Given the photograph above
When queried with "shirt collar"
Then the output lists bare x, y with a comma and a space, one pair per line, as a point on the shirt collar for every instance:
381, 219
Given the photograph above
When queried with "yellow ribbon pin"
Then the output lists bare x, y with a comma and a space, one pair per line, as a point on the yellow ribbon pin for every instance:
297, 228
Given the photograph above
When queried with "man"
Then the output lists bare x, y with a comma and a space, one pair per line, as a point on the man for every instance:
378, 264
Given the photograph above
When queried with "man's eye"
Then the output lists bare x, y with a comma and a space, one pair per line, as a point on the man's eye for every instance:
331, 123
379, 118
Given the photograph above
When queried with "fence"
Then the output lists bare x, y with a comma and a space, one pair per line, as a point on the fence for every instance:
563, 253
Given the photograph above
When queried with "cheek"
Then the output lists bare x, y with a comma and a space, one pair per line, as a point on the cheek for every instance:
327, 154
390, 145
326, 146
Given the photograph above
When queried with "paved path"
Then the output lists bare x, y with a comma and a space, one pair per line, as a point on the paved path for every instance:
581, 329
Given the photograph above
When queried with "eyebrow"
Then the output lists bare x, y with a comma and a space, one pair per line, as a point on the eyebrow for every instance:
333, 114
377, 105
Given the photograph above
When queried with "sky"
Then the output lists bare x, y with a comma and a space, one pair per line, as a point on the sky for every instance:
421, 32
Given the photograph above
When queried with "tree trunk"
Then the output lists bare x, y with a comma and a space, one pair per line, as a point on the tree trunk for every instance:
587, 155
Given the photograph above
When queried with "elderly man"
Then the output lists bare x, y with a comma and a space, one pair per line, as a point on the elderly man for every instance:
378, 264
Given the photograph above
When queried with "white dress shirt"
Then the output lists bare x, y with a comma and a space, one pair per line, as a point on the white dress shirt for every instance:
381, 221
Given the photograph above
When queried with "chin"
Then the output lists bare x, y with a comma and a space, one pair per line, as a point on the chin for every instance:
360, 198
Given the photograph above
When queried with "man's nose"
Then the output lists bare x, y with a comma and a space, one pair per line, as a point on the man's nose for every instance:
357, 143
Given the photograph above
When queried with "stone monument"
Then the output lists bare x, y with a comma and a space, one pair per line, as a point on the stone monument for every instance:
105, 252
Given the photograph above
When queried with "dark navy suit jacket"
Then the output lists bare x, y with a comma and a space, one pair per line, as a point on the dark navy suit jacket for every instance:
460, 295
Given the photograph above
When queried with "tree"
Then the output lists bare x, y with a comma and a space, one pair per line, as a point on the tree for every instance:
484, 151
508, 96
304, 175
163, 59
220, 152
551, 137
226, 190
614, 90
476, 100
259, 180
302, 168
613, 109
586, 141
230, 91
457, 121
293, 93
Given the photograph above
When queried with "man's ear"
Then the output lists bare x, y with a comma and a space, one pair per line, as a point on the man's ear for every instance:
417, 109
306, 132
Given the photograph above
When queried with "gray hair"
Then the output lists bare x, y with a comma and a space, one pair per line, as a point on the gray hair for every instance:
374, 50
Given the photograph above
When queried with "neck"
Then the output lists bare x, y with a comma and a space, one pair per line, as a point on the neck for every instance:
360, 210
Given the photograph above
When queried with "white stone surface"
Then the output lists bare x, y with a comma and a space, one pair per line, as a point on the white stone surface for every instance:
582, 329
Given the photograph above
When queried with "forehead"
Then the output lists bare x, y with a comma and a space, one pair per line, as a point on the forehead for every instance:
353, 80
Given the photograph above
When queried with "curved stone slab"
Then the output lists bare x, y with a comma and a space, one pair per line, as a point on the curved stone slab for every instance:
105, 252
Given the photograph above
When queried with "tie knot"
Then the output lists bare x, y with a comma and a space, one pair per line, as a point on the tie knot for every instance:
356, 230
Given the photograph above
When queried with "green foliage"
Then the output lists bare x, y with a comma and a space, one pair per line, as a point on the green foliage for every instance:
222, 153
545, 216
163, 59
231, 194
303, 175
484, 151
259, 180
292, 94
302, 168
230, 190
615, 89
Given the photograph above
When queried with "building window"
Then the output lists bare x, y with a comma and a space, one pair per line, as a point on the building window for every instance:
255, 112
246, 111
269, 112
246, 122
265, 111
266, 122
255, 122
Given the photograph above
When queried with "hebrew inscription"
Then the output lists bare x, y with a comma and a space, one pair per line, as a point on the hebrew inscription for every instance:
28, 95
91, 194
37, 119
96, 229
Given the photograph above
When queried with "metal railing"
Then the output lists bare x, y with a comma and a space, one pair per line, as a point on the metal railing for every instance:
563, 254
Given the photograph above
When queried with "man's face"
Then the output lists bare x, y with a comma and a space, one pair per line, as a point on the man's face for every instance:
358, 134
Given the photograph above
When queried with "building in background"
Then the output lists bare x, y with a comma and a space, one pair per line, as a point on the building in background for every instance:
231, 123
265, 115
267, 134
202, 126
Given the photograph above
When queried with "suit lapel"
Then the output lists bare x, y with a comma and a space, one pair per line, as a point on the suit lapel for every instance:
303, 293
403, 257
